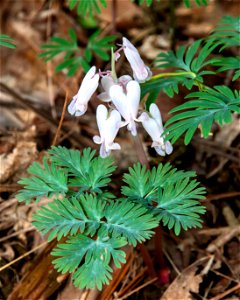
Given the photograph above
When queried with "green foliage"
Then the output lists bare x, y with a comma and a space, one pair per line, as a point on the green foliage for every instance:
206, 106
186, 2
6, 41
178, 206
94, 256
148, 2
72, 59
47, 181
98, 45
87, 172
94, 223
227, 32
228, 63
188, 70
192, 63
89, 215
169, 194
87, 7
198, 2
74, 56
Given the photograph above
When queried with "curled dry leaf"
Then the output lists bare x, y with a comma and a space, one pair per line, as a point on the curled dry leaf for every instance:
188, 281
20, 158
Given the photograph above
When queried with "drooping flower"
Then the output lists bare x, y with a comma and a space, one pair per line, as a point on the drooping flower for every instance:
79, 103
107, 82
108, 125
152, 123
141, 72
127, 103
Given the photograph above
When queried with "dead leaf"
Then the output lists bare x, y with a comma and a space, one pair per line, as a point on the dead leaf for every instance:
22, 155
187, 282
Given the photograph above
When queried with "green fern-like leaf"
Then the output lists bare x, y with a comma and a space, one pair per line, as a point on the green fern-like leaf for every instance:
148, 2
127, 219
87, 7
198, 2
228, 63
72, 59
208, 106
143, 184
47, 181
90, 215
178, 206
185, 60
169, 85
85, 171
189, 70
169, 194
94, 257
227, 32
99, 46
63, 217
76, 163
59, 45
6, 41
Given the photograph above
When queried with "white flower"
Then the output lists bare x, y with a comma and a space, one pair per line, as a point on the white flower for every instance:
107, 82
108, 128
141, 72
154, 127
127, 103
79, 103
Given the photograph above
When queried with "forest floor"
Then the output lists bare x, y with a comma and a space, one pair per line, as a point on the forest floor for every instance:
202, 263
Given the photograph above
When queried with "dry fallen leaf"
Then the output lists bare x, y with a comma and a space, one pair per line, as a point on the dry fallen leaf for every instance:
187, 282
22, 155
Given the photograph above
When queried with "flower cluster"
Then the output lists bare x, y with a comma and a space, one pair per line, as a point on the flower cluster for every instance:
124, 93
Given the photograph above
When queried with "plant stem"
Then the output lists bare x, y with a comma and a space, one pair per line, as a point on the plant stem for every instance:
163, 274
113, 68
172, 74
140, 151
172, 24
114, 16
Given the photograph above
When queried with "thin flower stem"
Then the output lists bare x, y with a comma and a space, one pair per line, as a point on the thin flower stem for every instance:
144, 161
158, 233
172, 74
113, 69
140, 151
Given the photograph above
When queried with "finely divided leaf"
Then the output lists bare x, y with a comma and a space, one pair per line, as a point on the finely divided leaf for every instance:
47, 181
208, 106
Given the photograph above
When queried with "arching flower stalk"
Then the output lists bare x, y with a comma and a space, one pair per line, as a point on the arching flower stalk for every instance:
124, 93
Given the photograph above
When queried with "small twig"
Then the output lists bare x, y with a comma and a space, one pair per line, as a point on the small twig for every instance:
132, 283
50, 69
223, 238
217, 231
75, 139
171, 262
16, 233
9, 187
220, 296
22, 256
221, 196
140, 287
61, 120
114, 16
172, 24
